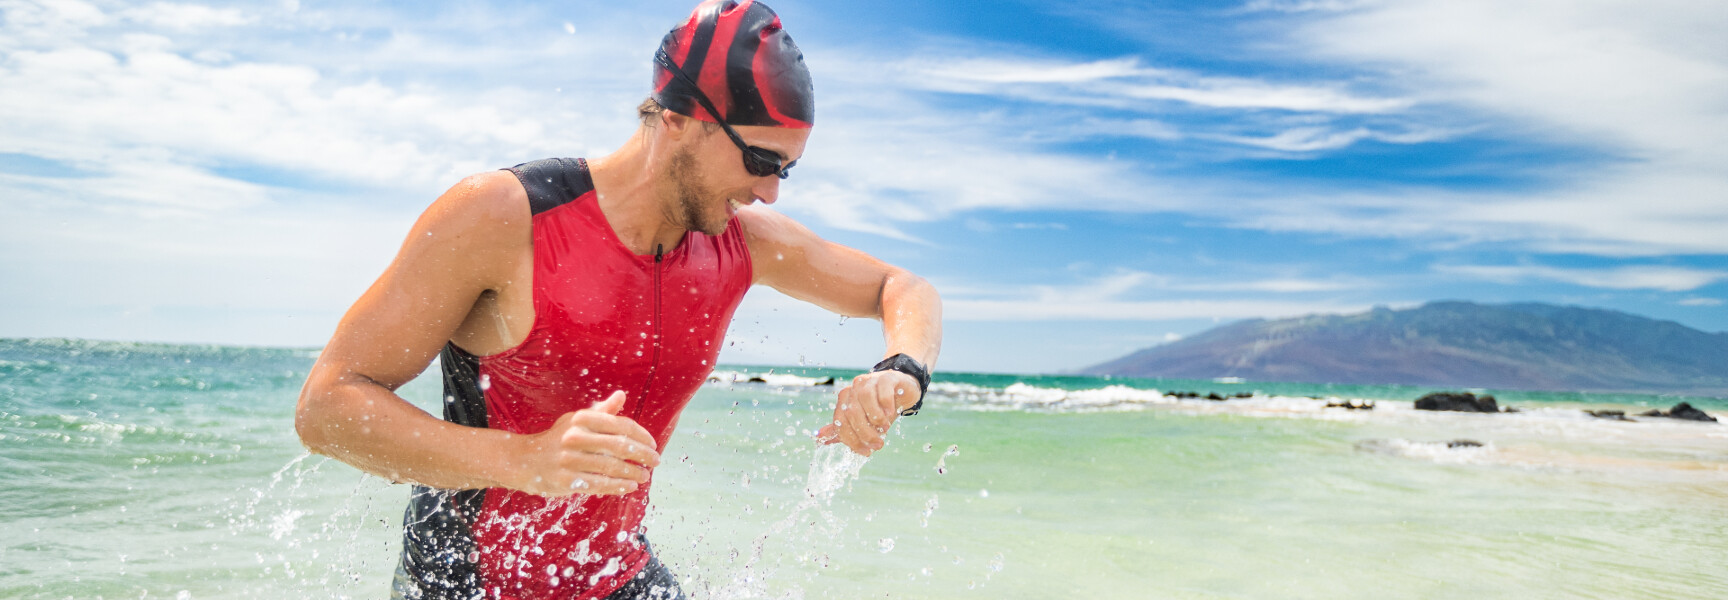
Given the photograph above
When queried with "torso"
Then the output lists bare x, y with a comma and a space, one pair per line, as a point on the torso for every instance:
598, 318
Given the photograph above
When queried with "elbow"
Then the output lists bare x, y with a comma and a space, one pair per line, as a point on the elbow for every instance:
311, 417
901, 284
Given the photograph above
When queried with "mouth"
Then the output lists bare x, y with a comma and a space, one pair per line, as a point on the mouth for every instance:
732, 206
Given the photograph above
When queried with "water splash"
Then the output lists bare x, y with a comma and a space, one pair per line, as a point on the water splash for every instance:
831, 469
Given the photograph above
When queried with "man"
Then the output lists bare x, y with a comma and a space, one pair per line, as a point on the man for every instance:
576, 307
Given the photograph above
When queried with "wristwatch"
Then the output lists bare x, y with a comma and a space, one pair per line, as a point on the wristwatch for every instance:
910, 366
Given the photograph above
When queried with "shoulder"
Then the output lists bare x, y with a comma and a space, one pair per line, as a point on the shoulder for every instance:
763, 227
489, 202
476, 231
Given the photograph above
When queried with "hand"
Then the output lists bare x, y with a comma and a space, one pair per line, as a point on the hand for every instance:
867, 408
590, 451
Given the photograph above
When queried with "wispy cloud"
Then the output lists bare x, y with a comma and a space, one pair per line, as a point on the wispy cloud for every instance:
187, 16
1125, 83
1140, 296
1624, 79
1670, 279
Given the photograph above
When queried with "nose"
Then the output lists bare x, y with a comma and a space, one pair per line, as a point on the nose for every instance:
766, 189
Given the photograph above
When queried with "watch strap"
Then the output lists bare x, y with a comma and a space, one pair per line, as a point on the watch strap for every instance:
910, 366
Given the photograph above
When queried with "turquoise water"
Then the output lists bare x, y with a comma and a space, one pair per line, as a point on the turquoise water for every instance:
135, 470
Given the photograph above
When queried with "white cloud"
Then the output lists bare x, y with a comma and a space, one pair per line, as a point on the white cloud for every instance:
1300, 6
1312, 139
1641, 81
1670, 279
1131, 310
1124, 296
187, 16
1123, 83
1701, 302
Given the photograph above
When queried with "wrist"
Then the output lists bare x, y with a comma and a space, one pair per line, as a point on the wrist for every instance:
510, 466
912, 368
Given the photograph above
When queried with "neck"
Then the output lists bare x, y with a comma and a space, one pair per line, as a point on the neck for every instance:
635, 200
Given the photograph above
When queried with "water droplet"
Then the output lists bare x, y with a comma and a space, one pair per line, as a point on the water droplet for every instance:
983, 493
885, 545
485, 382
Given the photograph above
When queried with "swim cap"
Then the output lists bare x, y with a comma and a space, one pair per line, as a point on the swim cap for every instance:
744, 62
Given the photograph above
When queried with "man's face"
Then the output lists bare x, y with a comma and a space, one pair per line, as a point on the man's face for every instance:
709, 178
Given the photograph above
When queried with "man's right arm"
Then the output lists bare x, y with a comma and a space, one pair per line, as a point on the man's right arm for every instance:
471, 241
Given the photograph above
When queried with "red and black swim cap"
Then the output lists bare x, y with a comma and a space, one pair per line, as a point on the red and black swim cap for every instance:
745, 63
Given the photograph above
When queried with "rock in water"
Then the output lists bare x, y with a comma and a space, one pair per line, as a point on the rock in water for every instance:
1617, 415
1683, 410
1351, 404
1457, 401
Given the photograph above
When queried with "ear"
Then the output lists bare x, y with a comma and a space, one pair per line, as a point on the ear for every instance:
677, 125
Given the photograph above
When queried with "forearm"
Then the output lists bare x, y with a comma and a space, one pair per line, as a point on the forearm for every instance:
911, 317
360, 422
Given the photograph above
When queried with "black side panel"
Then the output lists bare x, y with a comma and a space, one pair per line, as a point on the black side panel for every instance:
552, 182
464, 402
438, 526
438, 553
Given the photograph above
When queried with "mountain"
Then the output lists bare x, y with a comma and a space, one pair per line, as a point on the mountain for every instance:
1451, 344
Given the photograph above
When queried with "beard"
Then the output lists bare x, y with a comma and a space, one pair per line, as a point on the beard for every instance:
691, 197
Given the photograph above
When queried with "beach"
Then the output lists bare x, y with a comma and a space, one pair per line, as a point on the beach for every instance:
145, 470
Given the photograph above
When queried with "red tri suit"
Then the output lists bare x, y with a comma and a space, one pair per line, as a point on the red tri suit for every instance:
605, 319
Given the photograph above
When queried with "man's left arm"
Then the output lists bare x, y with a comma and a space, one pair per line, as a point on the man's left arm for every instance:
792, 259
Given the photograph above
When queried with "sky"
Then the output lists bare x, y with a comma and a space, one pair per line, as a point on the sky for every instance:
1078, 180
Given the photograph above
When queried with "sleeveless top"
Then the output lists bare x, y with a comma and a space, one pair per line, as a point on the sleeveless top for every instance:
605, 319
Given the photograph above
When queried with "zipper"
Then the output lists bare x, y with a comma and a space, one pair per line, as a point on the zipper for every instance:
654, 360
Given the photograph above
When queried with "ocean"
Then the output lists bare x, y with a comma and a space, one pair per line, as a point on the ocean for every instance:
163, 471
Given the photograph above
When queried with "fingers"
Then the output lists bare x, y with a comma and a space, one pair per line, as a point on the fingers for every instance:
603, 465
878, 400
828, 434
588, 441
598, 485
612, 404
599, 422
854, 428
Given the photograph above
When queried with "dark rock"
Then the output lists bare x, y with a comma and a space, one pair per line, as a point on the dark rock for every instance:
1214, 397
1683, 410
1242, 395
1460, 402
828, 381
1351, 404
756, 380
1617, 415
1463, 444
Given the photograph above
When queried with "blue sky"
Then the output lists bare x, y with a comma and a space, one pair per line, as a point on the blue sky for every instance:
1079, 179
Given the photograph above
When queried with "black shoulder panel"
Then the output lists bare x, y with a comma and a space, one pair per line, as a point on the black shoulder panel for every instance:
552, 182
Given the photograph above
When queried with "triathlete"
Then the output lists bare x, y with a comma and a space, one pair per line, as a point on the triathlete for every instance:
576, 306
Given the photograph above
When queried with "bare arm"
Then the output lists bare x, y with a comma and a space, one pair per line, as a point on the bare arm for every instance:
471, 242
792, 259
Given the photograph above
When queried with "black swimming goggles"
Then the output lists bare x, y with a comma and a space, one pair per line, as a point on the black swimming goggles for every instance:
760, 162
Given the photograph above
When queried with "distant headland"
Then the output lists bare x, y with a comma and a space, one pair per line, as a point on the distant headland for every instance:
1526, 346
